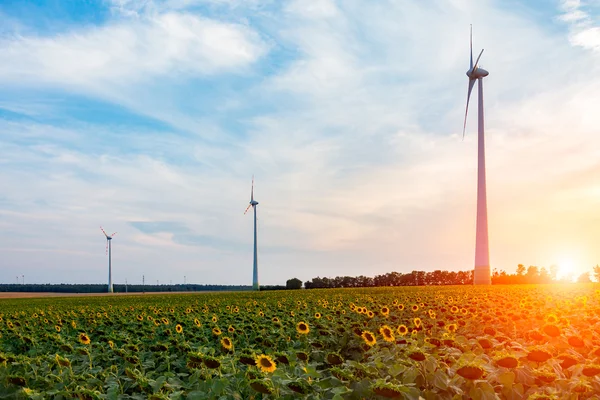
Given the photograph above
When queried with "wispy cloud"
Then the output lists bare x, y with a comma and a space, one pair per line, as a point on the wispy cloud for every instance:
583, 24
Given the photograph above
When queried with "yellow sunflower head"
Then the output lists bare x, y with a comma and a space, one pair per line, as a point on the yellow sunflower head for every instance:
402, 330
216, 331
231, 329
265, 363
369, 338
226, 343
417, 321
387, 333
317, 315
178, 328
84, 339
302, 328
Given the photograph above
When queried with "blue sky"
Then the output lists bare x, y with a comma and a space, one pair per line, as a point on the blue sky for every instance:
150, 117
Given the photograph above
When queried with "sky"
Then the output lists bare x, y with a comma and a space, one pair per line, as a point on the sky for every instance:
149, 118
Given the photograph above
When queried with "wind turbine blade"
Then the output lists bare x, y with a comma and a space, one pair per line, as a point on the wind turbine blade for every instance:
247, 208
113, 234
252, 191
471, 84
471, 66
103, 232
477, 62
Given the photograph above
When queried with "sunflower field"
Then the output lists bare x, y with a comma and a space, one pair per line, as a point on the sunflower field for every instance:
509, 342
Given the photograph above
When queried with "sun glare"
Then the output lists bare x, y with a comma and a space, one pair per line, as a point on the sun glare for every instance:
566, 269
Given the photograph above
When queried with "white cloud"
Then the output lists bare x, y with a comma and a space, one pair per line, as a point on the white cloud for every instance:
130, 52
584, 29
356, 150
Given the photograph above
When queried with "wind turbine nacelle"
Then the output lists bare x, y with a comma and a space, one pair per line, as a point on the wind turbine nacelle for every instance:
253, 203
478, 73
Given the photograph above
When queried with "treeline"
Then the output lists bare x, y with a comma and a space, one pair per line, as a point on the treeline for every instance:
533, 274
414, 278
117, 288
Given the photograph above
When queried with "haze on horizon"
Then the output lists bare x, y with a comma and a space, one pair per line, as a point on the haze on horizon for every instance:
149, 117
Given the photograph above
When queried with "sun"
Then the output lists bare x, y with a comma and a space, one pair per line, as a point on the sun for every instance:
566, 269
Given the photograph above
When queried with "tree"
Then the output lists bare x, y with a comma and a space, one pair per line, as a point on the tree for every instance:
584, 278
597, 273
293, 283
520, 269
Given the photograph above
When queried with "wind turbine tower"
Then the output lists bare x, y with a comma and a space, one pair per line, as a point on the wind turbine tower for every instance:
108, 251
253, 204
481, 274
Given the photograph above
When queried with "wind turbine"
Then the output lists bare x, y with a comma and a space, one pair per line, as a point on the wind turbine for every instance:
481, 274
108, 251
253, 204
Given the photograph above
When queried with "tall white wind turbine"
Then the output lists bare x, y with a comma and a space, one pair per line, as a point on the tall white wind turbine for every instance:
481, 274
253, 204
108, 251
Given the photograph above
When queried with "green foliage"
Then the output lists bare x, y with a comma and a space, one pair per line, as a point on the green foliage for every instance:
293, 283
510, 342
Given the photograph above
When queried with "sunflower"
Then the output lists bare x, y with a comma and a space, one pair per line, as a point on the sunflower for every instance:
402, 330
470, 371
370, 314
57, 328
387, 333
84, 339
231, 329
400, 307
417, 322
551, 330
302, 328
317, 315
415, 307
369, 338
197, 322
188, 310
165, 321
275, 320
140, 317
178, 328
261, 314
385, 311
226, 343
551, 319
265, 363
451, 328
454, 309
111, 344
73, 324
214, 318
216, 331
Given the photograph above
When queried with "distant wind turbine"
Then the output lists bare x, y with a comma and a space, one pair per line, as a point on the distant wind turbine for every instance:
253, 204
108, 251
481, 274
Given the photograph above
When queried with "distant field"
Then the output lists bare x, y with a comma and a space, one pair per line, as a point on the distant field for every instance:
27, 295
499, 342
